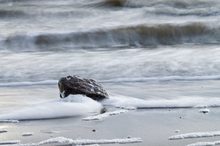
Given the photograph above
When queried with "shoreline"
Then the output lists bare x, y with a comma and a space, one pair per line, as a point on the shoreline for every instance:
153, 126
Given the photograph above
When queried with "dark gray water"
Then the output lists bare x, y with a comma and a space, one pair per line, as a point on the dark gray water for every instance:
109, 40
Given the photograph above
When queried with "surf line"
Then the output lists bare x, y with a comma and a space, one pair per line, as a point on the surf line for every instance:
195, 135
63, 140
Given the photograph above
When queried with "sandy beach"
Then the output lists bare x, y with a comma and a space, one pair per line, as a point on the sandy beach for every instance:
154, 126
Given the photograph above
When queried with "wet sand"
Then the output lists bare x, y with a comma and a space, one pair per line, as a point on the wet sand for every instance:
153, 126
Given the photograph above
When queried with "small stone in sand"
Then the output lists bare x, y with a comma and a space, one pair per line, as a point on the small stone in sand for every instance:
49, 132
27, 134
3, 131
204, 111
177, 131
93, 130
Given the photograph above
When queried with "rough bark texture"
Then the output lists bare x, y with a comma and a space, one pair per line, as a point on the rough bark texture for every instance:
76, 85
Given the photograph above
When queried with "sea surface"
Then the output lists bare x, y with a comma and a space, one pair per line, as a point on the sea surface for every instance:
150, 55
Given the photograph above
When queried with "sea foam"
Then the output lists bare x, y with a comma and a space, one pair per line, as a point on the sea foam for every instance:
63, 140
78, 105
195, 135
105, 115
126, 102
68, 107
213, 143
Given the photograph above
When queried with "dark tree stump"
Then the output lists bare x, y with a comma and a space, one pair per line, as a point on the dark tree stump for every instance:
76, 85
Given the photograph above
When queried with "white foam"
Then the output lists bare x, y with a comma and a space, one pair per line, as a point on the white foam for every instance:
68, 107
80, 106
126, 102
195, 135
62, 94
104, 115
213, 143
63, 140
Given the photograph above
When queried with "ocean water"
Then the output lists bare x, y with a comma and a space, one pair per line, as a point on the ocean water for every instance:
148, 54
113, 41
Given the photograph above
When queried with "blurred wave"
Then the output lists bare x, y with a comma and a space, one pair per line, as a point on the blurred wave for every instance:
118, 80
177, 63
109, 40
124, 36
152, 3
11, 14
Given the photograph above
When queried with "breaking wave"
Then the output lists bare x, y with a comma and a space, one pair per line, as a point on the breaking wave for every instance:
112, 3
186, 4
126, 36
164, 7
11, 13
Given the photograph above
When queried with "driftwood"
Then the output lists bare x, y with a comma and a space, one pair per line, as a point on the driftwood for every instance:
76, 85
